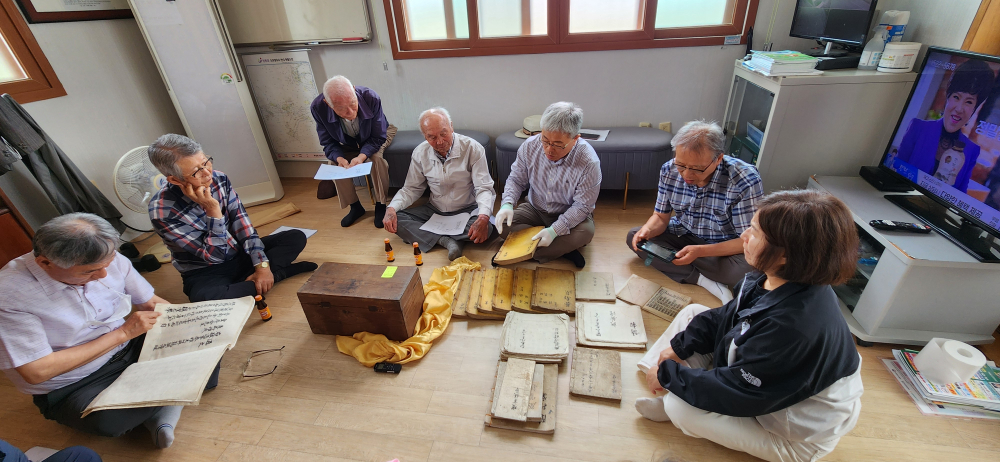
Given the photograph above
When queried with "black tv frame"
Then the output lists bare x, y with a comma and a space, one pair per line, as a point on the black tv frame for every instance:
845, 43
912, 207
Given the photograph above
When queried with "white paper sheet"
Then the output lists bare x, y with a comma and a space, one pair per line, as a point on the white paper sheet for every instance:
335, 172
452, 225
308, 232
600, 134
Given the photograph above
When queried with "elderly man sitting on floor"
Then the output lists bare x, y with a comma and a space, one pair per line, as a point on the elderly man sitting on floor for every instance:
454, 167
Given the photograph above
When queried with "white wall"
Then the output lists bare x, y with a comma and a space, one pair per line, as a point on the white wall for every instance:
115, 98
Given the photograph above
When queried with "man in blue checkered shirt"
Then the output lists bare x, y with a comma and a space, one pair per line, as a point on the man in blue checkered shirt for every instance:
713, 197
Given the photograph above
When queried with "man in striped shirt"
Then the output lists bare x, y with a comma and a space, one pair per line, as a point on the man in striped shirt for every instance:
564, 177
713, 197
203, 223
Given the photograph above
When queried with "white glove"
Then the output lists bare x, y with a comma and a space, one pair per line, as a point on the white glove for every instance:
504, 216
545, 237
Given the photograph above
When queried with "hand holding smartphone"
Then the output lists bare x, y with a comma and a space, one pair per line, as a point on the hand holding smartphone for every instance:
657, 251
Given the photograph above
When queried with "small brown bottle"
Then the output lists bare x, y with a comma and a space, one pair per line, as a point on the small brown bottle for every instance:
389, 255
417, 255
265, 312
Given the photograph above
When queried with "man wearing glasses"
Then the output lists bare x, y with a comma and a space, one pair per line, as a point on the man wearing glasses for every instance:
564, 177
713, 197
203, 223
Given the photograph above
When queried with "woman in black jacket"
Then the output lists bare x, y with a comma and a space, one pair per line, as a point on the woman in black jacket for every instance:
774, 372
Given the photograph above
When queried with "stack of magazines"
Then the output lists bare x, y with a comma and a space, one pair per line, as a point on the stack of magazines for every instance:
978, 398
778, 63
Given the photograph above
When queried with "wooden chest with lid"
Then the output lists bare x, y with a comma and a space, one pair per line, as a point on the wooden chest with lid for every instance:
344, 299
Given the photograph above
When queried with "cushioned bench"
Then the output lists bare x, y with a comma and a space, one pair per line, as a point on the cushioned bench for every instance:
631, 157
399, 152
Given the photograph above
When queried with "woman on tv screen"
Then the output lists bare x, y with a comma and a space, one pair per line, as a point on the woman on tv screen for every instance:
938, 147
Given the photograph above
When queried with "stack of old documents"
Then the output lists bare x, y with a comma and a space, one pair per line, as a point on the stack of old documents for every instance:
524, 396
542, 338
610, 325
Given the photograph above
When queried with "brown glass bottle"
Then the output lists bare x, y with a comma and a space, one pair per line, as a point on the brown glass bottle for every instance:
265, 312
417, 255
389, 255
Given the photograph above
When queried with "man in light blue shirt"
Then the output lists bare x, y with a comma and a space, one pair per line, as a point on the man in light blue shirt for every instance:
564, 177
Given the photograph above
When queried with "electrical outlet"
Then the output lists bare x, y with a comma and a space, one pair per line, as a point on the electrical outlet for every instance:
645, 124
667, 127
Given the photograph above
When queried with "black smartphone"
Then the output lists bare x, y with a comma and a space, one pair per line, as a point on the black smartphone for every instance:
388, 368
657, 251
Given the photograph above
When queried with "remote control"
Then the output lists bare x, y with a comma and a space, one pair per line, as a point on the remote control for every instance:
389, 368
889, 225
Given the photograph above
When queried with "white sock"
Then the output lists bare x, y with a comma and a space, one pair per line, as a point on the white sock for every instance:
652, 409
716, 288
161, 425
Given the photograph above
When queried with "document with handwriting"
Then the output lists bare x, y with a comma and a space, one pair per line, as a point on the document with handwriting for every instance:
178, 355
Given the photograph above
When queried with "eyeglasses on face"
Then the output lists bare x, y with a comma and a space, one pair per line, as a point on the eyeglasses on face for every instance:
557, 146
682, 168
206, 165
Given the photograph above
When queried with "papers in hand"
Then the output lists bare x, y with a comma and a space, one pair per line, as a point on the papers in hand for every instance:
447, 225
335, 172
308, 232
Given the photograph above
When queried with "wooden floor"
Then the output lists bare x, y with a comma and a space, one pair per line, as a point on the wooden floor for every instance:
322, 405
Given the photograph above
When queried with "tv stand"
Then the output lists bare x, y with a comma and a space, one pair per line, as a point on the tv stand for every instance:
965, 234
910, 288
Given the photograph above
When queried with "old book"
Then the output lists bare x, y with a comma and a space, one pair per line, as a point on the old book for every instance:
539, 337
272, 214
550, 388
484, 298
518, 246
178, 355
581, 339
461, 301
504, 291
653, 298
524, 281
598, 287
535, 398
475, 289
596, 373
554, 291
615, 323
511, 401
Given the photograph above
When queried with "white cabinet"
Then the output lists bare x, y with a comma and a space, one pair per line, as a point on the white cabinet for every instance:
829, 124
910, 288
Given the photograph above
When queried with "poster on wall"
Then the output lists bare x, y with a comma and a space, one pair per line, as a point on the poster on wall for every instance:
37, 11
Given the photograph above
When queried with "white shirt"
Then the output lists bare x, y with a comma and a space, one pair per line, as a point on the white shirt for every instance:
456, 182
39, 316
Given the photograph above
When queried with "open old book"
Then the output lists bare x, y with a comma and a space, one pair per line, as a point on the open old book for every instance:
657, 300
178, 355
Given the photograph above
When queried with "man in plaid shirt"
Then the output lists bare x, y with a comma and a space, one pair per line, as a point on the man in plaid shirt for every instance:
203, 223
713, 197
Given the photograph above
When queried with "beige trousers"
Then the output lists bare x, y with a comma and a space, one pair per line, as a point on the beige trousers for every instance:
380, 174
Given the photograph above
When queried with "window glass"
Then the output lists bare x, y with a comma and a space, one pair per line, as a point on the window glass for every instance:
690, 13
10, 69
605, 15
430, 19
509, 18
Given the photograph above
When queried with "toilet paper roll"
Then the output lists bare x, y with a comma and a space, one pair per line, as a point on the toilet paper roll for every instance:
948, 361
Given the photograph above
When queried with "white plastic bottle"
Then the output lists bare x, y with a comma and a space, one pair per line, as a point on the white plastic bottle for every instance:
872, 53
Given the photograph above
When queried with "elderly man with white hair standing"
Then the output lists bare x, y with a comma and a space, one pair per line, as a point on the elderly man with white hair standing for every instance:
65, 329
454, 167
352, 130
713, 198
564, 177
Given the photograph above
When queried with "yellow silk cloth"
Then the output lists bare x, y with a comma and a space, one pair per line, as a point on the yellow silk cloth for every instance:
371, 348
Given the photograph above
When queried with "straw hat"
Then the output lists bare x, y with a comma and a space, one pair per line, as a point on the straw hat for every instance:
532, 125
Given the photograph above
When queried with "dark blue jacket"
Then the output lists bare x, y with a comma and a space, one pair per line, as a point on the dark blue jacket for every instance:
372, 125
790, 345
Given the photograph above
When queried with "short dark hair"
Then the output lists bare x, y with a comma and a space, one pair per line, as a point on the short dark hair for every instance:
973, 77
815, 233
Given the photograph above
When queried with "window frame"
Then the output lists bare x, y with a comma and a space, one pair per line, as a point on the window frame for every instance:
559, 39
41, 82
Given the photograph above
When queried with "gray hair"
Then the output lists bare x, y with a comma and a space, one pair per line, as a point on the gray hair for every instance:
434, 111
168, 149
75, 239
337, 85
700, 136
563, 117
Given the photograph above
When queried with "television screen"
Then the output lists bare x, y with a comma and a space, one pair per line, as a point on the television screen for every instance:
947, 141
841, 21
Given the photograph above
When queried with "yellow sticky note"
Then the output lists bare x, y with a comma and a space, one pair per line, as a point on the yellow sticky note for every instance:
389, 272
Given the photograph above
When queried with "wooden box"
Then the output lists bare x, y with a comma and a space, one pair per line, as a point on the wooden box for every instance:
344, 299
